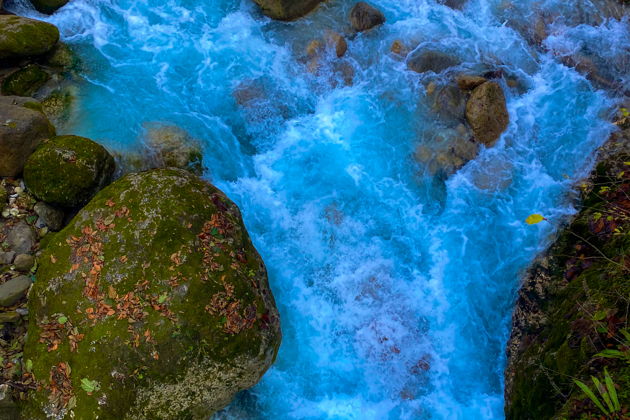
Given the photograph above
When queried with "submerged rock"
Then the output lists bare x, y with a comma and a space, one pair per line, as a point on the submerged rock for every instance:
25, 81
167, 312
364, 16
422, 61
68, 170
22, 128
287, 9
173, 147
48, 6
22, 37
487, 113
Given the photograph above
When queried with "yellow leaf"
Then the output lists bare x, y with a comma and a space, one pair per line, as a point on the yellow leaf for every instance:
534, 219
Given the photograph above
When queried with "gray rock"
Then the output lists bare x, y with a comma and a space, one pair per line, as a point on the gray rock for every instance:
49, 217
14, 290
24, 262
21, 238
6, 258
364, 16
422, 61
22, 129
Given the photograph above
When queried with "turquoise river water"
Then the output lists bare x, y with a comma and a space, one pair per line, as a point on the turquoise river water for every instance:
395, 284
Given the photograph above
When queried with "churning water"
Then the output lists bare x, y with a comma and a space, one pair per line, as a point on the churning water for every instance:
395, 285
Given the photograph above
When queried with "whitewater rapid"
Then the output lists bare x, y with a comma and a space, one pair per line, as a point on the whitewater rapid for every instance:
395, 285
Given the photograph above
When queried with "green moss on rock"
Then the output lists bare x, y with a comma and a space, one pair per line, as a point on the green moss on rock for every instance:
287, 9
67, 171
22, 37
166, 305
62, 56
25, 81
58, 105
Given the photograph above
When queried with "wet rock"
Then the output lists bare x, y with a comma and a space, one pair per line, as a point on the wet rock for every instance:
468, 82
187, 286
22, 37
7, 257
173, 147
25, 81
13, 290
399, 48
448, 102
48, 6
454, 4
58, 105
68, 170
49, 216
422, 61
364, 17
287, 9
447, 151
22, 129
492, 175
487, 113
337, 43
21, 238
62, 57
24, 262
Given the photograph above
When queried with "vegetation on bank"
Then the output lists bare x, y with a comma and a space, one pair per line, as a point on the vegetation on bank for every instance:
569, 355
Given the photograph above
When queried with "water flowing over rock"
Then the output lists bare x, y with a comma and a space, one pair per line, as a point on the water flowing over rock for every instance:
364, 17
287, 9
68, 170
487, 113
166, 309
22, 37
22, 128
422, 61
48, 6
173, 147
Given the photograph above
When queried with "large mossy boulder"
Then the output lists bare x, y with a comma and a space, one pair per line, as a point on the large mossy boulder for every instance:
67, 171
151, 304
487, 113
23, 37
22, 128
287, 9
48, 6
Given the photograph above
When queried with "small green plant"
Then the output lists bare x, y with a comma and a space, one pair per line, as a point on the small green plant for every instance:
622, 351
607, 392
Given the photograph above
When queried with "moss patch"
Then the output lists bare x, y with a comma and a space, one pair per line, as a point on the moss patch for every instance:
25, 82
23, 37
68, 170
165, 303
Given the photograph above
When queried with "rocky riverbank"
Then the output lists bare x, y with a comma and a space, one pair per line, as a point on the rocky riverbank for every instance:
141, 294
570, 323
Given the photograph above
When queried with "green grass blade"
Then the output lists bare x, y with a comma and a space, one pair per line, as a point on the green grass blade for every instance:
590, 394
602, 391
611, 390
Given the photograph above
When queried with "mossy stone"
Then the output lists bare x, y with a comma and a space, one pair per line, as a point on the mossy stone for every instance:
25, 81
57, 106
67, 171
287, 9
48, 6
166, 307
62, 56
23, 37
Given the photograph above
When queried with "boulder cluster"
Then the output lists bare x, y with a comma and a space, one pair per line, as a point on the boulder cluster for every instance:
136, 280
